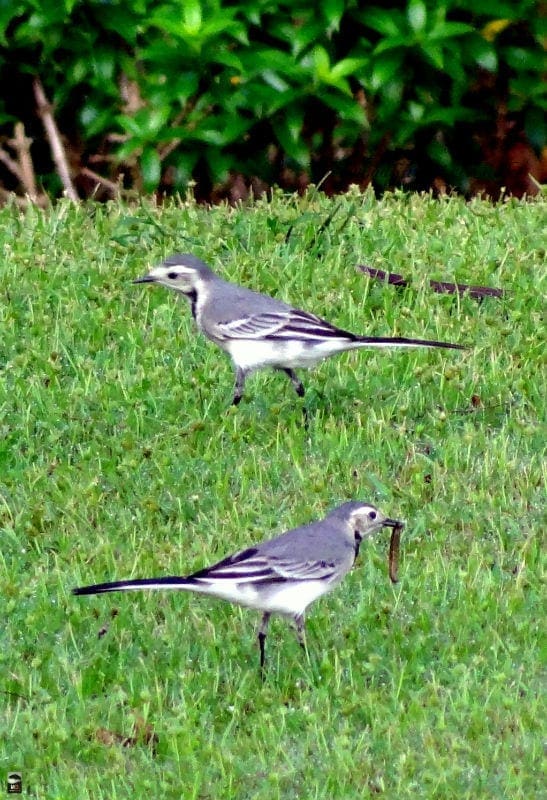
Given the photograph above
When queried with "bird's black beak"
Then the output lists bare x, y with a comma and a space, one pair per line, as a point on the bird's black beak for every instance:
393, 523
144, 279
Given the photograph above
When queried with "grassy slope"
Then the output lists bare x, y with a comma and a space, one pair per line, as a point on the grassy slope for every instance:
118, 457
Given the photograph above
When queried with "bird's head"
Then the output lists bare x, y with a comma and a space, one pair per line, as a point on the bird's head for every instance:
363, 520
182, 272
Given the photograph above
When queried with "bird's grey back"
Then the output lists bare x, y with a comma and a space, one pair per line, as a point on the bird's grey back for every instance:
228, 301
323, 540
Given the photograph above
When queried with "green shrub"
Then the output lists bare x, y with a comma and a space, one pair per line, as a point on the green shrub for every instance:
165, 93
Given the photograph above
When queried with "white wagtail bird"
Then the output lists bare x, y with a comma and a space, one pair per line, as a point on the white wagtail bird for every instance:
281, 575
258, 331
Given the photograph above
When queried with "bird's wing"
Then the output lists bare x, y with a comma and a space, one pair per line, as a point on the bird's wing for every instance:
250, 566
247, 566
303, 570
279, 325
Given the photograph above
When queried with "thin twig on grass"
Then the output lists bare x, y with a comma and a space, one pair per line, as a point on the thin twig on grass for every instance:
442, 287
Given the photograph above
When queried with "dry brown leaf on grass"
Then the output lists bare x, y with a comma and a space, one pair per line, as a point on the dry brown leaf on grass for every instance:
143, 733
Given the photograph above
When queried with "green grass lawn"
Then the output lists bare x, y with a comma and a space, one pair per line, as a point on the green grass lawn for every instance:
120, 457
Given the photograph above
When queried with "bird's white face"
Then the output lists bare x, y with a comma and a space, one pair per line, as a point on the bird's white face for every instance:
367, 519
179, 277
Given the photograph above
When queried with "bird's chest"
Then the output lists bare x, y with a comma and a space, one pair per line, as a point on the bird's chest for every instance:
198, 301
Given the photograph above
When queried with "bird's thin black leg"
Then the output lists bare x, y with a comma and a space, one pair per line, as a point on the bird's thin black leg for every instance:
295, 380
299, 389
299, 624
241, 374
262, 639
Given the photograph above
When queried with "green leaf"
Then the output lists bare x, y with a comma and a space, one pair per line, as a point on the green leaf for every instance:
454, 66
118, 20
183, 162
164, 20
294, 120
263, 101
219, 164
521, 58
268, 58
80, 70
433, 53
302, 37
9, 11
169, 134
94, 119
384, 68
526, 89
347, 108
226, 57
322, 63
332, 11
439, 152
274, 80
221, 130
384, 21
288, 130
417, 15
447, 30
4, 118
129, 124
535, 125
193, 29
415, 111
179, 89
212, 28
348, 66
393, 43
145, 124
150, 169
153, 119
482, 52
191, 12
389, 100
324, 73
103, 64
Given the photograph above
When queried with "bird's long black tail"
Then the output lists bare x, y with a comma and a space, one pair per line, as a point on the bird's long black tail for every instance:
171, 582
401, 341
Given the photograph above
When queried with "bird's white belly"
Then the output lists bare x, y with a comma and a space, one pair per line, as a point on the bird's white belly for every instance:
293, 598
287, 598
251, 354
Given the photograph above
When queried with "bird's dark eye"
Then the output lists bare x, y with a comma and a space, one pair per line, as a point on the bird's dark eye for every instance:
372, 514
172, 276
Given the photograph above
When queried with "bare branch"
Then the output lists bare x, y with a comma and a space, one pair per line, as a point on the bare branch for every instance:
11, 164
21, 144
113, 188
52, 133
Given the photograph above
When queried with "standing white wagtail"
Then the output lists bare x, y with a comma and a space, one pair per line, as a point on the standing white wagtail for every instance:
281, 575
259, 331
